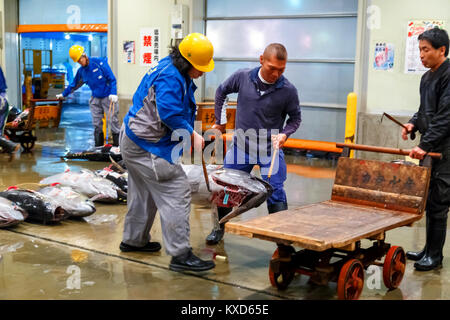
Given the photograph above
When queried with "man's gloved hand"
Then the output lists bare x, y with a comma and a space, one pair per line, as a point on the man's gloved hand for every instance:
60, 97
113, 98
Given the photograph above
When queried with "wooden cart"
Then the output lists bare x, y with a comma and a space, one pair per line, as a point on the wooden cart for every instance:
43, 113
368, 198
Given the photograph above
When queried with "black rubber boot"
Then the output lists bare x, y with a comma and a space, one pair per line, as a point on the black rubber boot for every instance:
216, 235
115, 137
416, 256
8, 145
276, 207
99, 138
433, 255
149, 247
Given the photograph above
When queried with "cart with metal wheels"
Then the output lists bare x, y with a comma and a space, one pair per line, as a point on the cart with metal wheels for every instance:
368, 199
43, 113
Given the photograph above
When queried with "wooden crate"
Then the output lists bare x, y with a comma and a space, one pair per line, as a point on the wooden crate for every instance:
206, 116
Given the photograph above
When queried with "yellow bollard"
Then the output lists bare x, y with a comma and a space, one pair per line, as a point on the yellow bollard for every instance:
350, 120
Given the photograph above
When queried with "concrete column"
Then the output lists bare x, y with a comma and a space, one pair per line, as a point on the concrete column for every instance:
10, 51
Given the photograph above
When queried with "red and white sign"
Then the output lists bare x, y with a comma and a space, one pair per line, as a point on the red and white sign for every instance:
150, 44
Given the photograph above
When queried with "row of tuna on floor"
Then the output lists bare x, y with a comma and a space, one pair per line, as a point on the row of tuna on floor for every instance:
65, 195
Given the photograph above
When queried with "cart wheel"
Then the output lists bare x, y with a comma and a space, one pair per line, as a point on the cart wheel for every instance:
281, 279
394, 267
27, 141
351, 280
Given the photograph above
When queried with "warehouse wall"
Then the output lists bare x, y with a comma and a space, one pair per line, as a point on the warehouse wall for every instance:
9, 50
397, 91
128, 17
393, 91
2, 34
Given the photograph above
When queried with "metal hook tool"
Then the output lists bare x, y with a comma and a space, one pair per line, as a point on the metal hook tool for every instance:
412, 134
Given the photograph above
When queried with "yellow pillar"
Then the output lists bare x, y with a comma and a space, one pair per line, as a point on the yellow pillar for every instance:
104, 128
350, 121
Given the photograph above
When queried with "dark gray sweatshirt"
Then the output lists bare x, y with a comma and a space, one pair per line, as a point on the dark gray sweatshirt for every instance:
260, 111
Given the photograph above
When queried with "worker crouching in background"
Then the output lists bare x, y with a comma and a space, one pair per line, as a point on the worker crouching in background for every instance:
97, 74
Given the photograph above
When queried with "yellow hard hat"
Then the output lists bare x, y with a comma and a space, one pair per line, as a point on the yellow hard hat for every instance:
76, 52
198, 50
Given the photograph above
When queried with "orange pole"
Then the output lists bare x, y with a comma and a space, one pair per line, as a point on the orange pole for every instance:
301, 144
211, 103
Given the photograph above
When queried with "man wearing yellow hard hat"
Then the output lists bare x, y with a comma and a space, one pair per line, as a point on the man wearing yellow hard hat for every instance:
164, 111
97, 74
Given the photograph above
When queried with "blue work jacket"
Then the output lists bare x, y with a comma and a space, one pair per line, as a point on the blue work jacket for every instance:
163, 103
98, 76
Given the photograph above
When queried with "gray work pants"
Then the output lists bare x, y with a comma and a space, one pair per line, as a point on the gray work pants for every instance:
100, 106
154, 183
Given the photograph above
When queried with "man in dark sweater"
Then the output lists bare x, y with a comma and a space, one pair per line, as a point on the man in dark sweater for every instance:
433, 122
265, 99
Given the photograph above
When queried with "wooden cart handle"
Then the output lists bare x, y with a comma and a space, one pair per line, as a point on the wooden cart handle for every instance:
383, 149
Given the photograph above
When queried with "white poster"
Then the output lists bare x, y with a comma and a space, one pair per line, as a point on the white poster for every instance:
384, 56
129, 51
149, 55
413, 64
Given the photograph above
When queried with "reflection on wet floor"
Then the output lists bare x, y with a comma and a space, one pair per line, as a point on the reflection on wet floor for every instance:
80, 259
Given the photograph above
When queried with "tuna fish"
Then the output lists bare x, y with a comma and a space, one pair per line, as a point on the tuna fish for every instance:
10, 213
238, 189
199, 191
102, 153
39, 207
119, 179
86, 182
75, 203
118, 166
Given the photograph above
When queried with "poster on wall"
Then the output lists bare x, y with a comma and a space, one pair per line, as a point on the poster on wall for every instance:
129, 51
149, 55
384, 56
413, 65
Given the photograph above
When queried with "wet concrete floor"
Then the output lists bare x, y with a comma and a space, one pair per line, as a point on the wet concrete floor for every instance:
80, 259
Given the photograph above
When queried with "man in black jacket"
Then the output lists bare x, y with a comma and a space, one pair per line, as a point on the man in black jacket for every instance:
433, 122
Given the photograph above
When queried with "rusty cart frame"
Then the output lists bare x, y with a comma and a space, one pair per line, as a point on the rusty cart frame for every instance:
43, 113
368, 198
